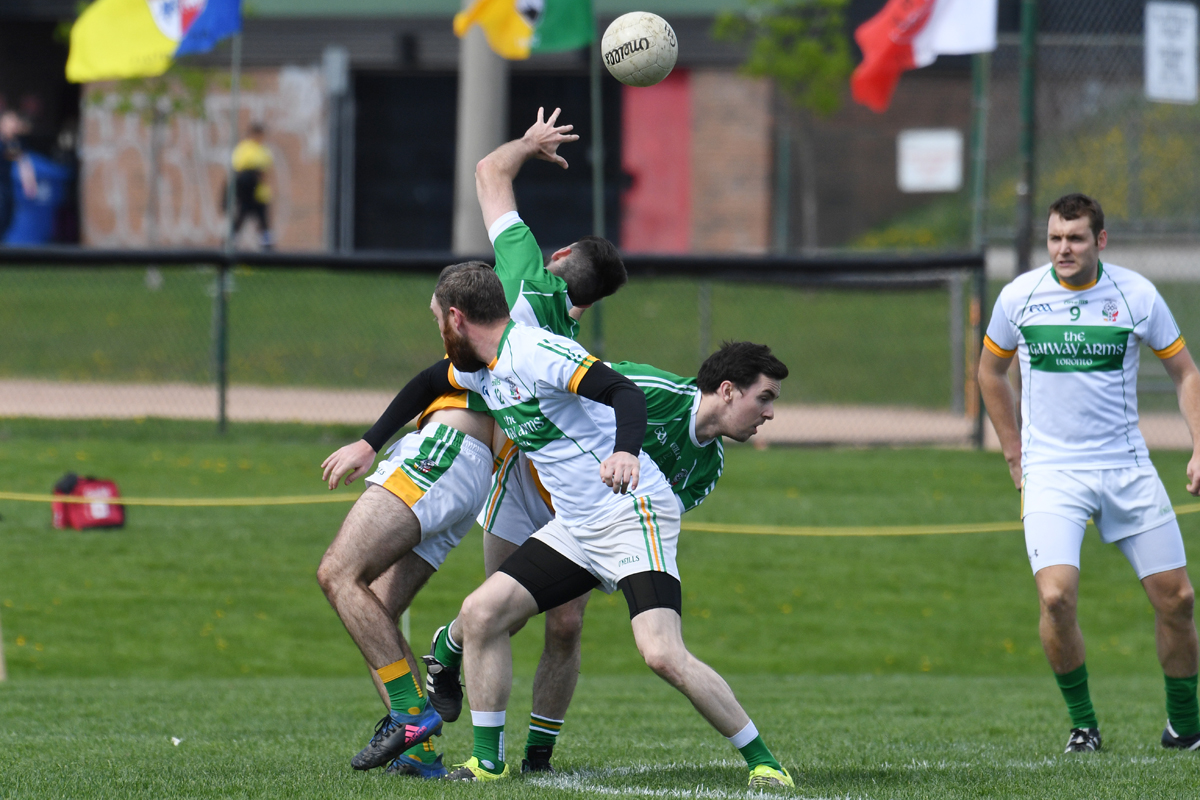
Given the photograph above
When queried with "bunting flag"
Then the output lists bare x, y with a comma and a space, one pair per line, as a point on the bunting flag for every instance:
517, 28
140, 38
909, 34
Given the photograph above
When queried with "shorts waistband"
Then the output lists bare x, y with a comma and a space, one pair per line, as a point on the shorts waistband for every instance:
470, 445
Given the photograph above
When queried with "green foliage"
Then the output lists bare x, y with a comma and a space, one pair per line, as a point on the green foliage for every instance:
801, 44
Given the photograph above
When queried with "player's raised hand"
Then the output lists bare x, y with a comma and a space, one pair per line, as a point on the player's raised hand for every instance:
545, 138
620, 471
355, 459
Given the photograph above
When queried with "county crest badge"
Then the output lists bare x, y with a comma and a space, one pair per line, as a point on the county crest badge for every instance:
1110, 311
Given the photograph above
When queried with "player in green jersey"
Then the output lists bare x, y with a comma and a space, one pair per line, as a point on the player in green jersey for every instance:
731, 396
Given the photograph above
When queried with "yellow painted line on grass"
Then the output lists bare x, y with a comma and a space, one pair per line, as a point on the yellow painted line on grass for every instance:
699, 527
184, 502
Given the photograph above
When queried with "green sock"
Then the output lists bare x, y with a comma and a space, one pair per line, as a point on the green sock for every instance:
423, 752
543, 732
1074, 688
756, 753
1182, 708
489, 740
446, 650
403, 690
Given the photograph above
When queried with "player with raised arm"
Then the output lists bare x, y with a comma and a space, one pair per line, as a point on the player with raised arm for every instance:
733, 393
541, 389
1076, 325
552, 297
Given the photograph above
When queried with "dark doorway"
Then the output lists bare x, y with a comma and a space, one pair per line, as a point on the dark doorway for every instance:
404, 159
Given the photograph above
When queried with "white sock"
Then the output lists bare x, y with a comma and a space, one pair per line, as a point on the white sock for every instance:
742, 738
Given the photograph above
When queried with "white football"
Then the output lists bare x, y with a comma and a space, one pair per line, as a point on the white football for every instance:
639, 48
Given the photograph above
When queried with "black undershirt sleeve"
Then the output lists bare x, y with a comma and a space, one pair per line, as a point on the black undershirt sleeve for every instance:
415, 397
605, 385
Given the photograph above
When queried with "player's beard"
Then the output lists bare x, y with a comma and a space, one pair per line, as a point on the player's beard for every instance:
459, 351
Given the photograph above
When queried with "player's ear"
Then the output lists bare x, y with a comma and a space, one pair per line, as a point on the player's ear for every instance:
1101, 240
560, 254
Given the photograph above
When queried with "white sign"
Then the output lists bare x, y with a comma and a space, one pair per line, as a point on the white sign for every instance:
929, 160
1171, 52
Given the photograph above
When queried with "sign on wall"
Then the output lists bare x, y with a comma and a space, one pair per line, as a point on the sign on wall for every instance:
1171, 52
929, 160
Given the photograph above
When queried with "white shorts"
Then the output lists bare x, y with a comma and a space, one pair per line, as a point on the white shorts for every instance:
1122, 502
443, 476
517, 505
641, 536
1051, 540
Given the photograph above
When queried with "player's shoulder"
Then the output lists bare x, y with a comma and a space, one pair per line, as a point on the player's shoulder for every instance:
1127, 280
646, 373
1020, 286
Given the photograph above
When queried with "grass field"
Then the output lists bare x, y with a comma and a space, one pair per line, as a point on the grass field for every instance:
876, 667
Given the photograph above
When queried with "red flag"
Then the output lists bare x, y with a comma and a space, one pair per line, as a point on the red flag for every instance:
886, 43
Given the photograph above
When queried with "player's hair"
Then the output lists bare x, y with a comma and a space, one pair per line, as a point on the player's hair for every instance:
740, 363
473, 288
593, 271
1074, 206
257, 129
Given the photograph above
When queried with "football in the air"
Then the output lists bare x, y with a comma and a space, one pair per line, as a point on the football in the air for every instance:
639, 48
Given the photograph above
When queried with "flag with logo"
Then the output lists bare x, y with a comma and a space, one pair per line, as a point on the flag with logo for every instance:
517, 28
140, 38
909, 34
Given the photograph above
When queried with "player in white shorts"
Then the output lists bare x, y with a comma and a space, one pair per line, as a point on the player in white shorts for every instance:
419, 504
1076, 325
615, 529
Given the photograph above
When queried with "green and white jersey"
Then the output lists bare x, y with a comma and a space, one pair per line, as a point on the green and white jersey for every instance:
530, 390
536, 296
1078, 350
691, 467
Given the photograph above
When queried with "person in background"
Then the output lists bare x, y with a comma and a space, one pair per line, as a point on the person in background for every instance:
252, 194
12, 127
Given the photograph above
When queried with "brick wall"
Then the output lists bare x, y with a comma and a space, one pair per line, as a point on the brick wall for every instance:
731, 162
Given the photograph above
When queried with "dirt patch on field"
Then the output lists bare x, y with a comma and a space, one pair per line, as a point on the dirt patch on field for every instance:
793, 424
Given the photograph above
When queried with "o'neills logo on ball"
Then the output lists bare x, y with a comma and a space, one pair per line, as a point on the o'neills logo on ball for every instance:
619, 54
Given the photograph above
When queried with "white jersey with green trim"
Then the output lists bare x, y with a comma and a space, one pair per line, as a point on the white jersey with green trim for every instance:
1078, 350
530, 390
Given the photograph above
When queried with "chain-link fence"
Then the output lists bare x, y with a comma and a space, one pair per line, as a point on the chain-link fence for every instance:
875, 357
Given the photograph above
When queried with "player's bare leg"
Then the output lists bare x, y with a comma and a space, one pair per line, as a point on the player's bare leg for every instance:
554, 682
377, 532
1058, 594
1173, 599
487, 616
396, 588
658, 633
659, 637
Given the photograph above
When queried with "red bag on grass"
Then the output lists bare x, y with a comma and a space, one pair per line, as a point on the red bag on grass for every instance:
97, 514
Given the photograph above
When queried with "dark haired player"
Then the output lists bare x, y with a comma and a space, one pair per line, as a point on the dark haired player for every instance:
1076, 325
537, 387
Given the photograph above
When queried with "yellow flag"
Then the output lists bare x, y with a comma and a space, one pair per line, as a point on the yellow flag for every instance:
508, 32
121, 39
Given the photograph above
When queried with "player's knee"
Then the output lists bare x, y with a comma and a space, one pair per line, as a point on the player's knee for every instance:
328, 576
479, 616
1057, 603
1180, 603
666, 661
564, 628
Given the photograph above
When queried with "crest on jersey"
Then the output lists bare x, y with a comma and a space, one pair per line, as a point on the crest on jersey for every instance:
682, 474
1110, 311
425, 464
513, 391
661, 435
174, 17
